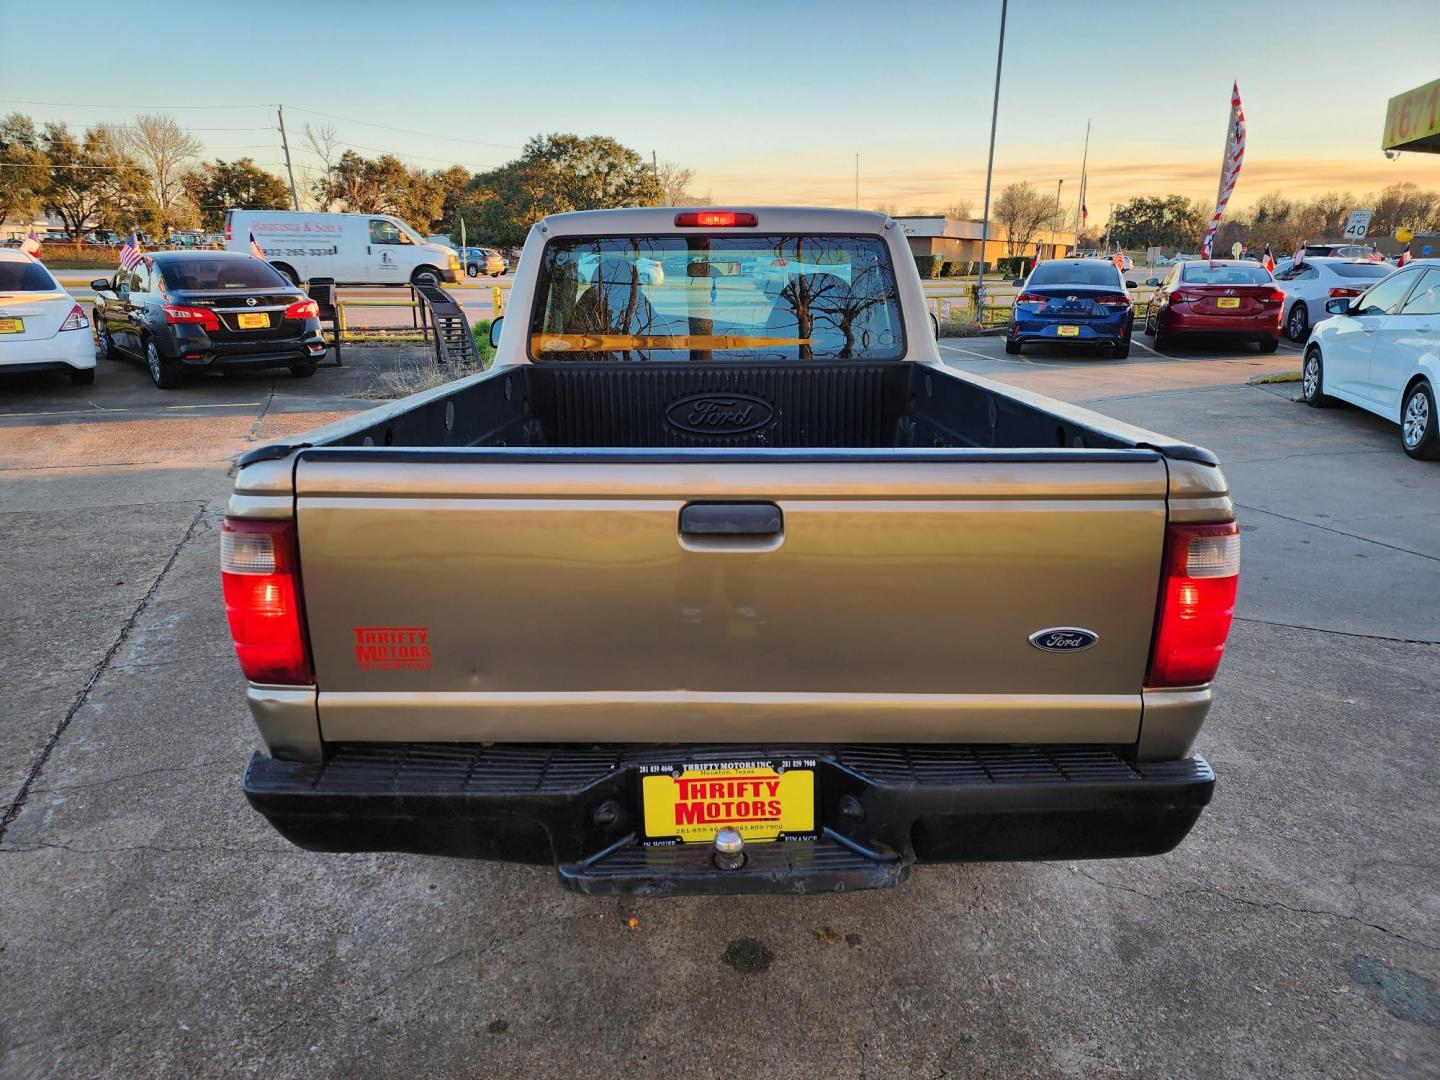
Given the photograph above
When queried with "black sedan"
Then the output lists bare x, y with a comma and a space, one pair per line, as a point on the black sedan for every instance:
185, 311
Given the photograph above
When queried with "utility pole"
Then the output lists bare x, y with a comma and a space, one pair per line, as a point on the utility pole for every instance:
285, 142
990, 169
1056, 219
1080, 213
857, 181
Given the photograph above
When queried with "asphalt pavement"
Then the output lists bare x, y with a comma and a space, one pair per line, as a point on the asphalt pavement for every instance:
151, 924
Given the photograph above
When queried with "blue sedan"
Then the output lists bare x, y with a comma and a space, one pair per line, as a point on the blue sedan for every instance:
1074, 302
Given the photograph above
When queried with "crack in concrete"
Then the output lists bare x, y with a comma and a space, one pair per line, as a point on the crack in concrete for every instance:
1339, 633
124, 848
18, 804
1340, 532
1267, 905
228, 762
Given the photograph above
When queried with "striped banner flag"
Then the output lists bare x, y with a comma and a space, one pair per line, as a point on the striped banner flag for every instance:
130, 253
1230, 169
31, 244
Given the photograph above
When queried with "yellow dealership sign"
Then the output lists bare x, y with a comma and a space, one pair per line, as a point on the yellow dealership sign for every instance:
1412, 120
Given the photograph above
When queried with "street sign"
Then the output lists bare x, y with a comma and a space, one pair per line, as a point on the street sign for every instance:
1358, 224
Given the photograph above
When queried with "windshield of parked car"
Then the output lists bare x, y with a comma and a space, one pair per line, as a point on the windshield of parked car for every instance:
195, 275
1065, 272
1372, 270
1223, 274
675, 298
25, 277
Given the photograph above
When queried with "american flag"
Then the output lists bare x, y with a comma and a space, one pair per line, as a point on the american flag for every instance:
1268, 259
130, 253
1404, 256
255, 248
1230, 168
31, 243
1375, 255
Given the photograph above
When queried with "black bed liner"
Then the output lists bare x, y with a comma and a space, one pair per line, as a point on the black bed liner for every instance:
828, 406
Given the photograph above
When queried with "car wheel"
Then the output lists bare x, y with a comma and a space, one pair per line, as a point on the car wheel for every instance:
1013, 346
1420, 424
1120, 350
1268, 344
472, 270
288, 273
1297, 325
425, 275
303, 371
104, 346
163, 375
82, 376
1312, 380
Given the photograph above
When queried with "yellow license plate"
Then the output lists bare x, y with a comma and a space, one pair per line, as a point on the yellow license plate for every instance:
253, 320
1228, 302
1068, 331
12, 326
764, 801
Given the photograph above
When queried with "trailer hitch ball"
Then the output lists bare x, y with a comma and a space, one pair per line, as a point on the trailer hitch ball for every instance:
729, 849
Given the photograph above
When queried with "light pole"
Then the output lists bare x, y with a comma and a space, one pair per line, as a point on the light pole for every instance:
990, 170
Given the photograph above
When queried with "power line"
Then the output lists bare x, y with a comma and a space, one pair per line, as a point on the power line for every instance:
111, 105
406, 131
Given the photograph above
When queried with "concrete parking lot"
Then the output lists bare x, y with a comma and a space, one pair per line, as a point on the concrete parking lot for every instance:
151, 924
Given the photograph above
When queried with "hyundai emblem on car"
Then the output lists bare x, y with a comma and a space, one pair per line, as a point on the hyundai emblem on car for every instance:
1064, 638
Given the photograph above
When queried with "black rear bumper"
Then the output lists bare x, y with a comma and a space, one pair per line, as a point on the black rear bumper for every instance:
880, 809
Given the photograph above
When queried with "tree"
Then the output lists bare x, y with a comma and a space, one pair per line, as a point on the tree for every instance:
385, 185
449, 185
26, 173
1023, 212
324, 143
1171, 221
960, 209
674, 181
233, 185
167, 153
552, 175
889, 209
93, 182
1403, 204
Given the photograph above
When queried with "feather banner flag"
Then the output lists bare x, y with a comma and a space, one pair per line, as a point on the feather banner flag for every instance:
1229, 168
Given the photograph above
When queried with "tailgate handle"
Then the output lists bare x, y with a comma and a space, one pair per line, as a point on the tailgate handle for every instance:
731, 519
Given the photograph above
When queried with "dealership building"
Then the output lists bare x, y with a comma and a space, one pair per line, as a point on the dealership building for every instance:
958, 240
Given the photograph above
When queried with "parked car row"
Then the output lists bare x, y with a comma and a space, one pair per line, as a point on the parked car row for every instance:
174, 311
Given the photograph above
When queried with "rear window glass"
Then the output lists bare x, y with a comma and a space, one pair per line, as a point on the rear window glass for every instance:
194, 275
1065, 272
1225, 275
1374, 271
676, 298
25, 277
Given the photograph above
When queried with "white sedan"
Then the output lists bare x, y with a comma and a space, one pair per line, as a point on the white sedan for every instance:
1310, 285
42, 328
1381, 351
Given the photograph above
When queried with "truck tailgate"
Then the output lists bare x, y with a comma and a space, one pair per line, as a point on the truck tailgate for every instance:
519, 595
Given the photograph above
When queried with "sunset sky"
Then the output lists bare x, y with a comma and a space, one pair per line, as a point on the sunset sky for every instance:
770, 102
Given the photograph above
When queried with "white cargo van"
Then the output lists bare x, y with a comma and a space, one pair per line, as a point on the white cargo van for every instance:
354, 249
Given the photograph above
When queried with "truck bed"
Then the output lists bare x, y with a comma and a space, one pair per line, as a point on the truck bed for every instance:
834, 405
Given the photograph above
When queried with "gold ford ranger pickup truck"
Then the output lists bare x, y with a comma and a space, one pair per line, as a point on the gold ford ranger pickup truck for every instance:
720, 581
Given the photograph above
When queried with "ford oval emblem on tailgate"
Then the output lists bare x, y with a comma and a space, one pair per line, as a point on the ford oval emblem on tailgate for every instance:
719, 414
1064, 639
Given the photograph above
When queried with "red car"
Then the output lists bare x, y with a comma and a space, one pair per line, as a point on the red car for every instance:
1221, 296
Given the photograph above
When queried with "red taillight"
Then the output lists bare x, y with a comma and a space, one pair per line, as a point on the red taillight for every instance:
1337, 293
1197, 603
1183, 298
715, 219
76, 320
227, 230
1031, 298
203, 317
258, 568
1112, 300
303, 309
1274, 296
